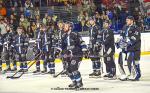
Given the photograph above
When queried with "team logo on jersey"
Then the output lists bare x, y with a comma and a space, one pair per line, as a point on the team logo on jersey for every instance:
73, 62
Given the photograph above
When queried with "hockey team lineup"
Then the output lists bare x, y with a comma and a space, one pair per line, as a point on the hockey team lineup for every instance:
70, 48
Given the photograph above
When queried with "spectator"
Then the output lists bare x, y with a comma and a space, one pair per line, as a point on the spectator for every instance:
98, 19
3, 11
109, 14
45, 19
37, 19
86, 5
6, 20
68, 6
15, 3
83, 18
37, 3
104, 16
24, 23
80, 17
8, 3
27, 13
14, 11
21, 11
13, 22
3, 26
124, 14
22, 3
140, 23
147, 22
136, 14
22, 18
28, 4
54, 18
36, 12
31, 30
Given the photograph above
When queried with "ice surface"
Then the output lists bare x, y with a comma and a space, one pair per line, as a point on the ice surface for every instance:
30, 83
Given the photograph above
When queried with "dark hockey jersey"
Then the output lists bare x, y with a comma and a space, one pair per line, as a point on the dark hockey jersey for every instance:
106, 38
47, 41
73, 42
134, 35
20, 44
39, 35
93, 32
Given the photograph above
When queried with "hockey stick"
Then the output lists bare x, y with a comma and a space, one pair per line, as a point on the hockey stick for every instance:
14, 75
58, 74
102, 59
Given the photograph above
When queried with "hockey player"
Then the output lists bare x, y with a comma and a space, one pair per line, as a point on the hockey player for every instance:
72, 50
130, 44
20, 45
38, 47
58, 39
49, 49
59, 33
106, 39
44, 45
11, 51
94, 52
7, 49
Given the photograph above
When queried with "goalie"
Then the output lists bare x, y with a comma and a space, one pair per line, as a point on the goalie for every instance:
130, 45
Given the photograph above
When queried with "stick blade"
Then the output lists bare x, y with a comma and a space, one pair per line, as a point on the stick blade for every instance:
12, 77
15, 77
9, 77
54, 76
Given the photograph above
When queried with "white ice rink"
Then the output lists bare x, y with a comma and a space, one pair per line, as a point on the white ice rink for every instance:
29, 83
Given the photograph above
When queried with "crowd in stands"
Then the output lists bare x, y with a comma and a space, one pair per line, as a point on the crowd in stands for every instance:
26, 13
116, 12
